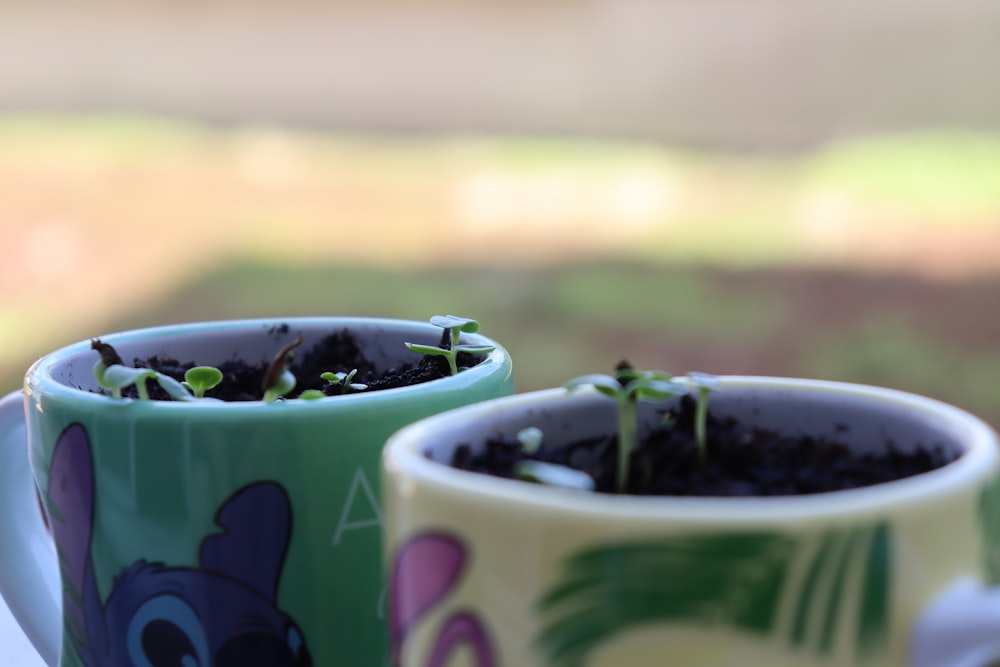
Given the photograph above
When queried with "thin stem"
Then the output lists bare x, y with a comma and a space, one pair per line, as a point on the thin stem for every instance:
626, 438
140, 387
456, 333
279, 366
701, 417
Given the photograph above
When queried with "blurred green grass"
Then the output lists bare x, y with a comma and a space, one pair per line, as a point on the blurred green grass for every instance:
892, 352
949, 174
573, 253
561, 321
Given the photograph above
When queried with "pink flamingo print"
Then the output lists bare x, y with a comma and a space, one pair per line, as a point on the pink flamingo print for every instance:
427, 567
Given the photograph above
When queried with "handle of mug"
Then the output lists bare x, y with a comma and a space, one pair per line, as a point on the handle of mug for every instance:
960, 628
29, 569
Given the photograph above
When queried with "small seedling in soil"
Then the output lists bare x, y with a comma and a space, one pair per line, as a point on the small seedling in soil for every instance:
312, 394
112, 374
747, 459
344, 381
201, 379
705, 383
278, 380
455, 326
530, 439
341, 380
542, 472
292, 368
553, 474
627, 386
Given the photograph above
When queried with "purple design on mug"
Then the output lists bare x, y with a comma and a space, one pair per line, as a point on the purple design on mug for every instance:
425, 570
221, 613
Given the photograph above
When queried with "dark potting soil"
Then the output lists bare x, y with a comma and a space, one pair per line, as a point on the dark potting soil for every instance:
337, 353
742, 460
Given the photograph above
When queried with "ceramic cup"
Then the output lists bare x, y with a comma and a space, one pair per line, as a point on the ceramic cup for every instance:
502, 573
209, 533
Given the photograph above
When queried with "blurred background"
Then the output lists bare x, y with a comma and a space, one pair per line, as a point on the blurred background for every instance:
734, 186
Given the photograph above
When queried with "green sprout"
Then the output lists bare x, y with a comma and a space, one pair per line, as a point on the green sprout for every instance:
176, 390
201, 379
112, 374
456, 326
553, 474
627, 386
530, 439
279, 380
344, 381
543, 472
705, 383
117, 377
312, 394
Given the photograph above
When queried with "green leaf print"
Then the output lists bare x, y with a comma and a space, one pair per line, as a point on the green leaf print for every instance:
747, 581
874, 616
989, 521
857, 560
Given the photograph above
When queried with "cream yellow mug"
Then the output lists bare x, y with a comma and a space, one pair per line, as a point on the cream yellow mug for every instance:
491, 572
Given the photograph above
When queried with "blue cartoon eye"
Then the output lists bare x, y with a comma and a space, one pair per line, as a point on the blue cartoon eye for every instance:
166, 632
265, 649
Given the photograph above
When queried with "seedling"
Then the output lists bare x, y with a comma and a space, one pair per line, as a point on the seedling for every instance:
344, 380
627, 386
312, 394
112, 374
176, 390
553, 474
456, 326
278, 380
201, 379
544, 472
705, 383
117, 378
530, 439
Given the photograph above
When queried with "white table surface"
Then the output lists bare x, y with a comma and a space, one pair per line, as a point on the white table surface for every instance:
15, 649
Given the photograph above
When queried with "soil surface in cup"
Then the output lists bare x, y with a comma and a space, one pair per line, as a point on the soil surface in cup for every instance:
338, 352
742, 460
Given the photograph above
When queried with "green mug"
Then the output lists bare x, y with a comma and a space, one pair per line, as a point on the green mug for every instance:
207, 533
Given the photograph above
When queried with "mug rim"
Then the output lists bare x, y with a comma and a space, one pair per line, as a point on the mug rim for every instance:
39, 378
404, 465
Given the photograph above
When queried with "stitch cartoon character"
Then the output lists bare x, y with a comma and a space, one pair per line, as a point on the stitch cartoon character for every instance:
218, 614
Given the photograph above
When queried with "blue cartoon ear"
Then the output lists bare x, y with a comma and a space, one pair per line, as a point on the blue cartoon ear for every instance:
70, 502
257, 524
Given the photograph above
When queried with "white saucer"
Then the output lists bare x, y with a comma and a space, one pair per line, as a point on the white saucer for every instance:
29, 575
